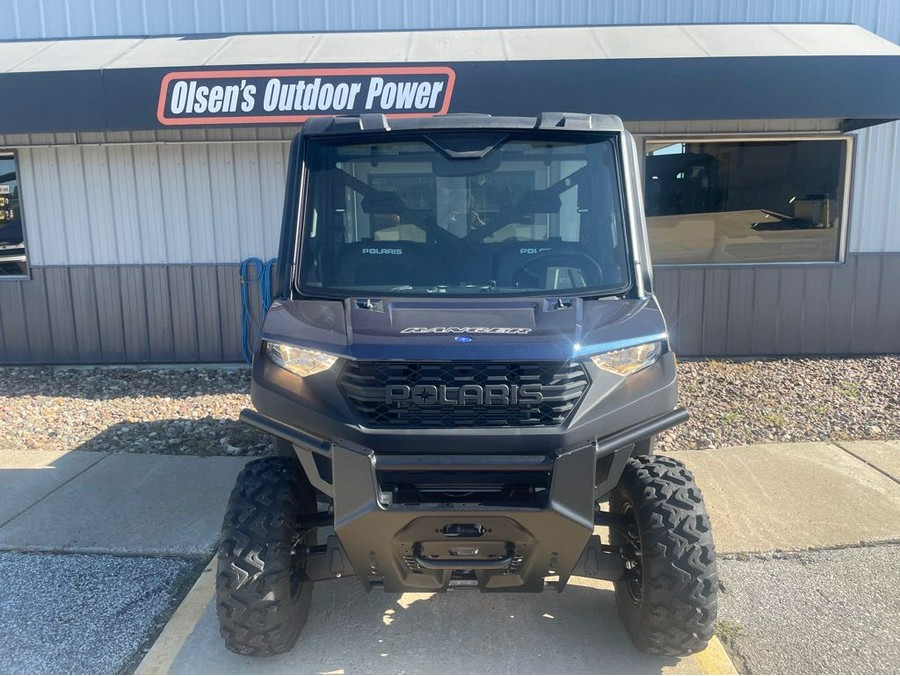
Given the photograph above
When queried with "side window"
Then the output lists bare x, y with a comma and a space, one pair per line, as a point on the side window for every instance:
746, 201
13, 262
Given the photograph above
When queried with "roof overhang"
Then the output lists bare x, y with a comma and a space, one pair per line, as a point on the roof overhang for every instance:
641, 73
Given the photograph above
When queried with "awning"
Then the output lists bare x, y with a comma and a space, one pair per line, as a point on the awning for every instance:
641, 73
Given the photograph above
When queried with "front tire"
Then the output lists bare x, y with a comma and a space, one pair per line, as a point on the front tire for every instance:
262, 592
667, 599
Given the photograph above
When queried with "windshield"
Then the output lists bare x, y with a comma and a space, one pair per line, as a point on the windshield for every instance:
460, 214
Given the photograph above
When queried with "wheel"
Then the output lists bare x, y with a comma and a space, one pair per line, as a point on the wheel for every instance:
667, 598
262, 592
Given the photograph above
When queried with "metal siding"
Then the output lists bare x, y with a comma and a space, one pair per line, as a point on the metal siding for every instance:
158, 302
665, 287
152, 207
175, 214
120, 204
785, 310
249, 191
766, 285
888, 330
133, 294
85, 18
181, 313
183, 306
84, 304
75, 220
100, 215
206, 313
687, 318
61, 315
37, 315
739, 319
875, 203
13, 330
227, 220
716, 292
107, 290
816, 303
866, 305
228, 290
840, 323
791, 295
126, 226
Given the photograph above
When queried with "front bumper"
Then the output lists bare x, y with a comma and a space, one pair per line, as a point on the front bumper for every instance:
433, 544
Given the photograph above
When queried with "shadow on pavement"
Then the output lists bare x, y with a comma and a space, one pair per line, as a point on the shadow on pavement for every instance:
349, 631
181, 436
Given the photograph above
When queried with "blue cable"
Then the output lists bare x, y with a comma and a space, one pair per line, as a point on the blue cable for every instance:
251, 331
265, 285
249, 328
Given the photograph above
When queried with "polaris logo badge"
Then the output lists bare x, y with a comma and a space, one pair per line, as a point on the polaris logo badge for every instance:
464, 395
382, 252
489, 330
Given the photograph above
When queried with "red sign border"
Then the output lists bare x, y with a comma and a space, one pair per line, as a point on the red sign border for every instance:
291, 72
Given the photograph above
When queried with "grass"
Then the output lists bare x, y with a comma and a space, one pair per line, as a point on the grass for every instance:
728, 631
732, 417
775, 419
850, 390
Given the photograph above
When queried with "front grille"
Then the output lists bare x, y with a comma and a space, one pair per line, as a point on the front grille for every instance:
366, 386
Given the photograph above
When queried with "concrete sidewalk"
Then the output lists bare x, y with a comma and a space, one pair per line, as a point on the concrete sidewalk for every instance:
761, 498
121, 503
800, 496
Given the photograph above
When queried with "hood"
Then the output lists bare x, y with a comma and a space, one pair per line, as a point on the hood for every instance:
426, 329
461, 329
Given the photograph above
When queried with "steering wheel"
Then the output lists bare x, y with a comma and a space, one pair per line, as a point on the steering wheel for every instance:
536, 266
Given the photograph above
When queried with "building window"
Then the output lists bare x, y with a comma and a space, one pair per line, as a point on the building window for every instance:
746, 201
12, 227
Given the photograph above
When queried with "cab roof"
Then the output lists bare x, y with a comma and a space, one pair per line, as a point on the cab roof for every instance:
325, 126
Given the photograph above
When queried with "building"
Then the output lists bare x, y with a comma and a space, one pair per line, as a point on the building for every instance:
137, 167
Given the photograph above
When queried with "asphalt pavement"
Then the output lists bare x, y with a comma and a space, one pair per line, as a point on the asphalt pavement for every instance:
62, 613
821, 612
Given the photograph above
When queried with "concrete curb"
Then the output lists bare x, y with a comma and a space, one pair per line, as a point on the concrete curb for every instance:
169, 643
714, 659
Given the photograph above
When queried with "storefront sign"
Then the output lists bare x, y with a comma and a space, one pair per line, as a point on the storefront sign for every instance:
293, 95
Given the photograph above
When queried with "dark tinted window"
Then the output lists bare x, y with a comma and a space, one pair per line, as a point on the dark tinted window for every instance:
745, 201
498, 215
12, 229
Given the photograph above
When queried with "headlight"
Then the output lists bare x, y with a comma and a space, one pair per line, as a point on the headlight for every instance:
299, 360
629, 360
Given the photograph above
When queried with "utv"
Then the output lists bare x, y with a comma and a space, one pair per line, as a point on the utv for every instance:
464, 370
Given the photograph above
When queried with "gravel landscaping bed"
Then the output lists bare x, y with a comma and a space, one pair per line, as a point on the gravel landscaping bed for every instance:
733, 403
187, 411
194, 411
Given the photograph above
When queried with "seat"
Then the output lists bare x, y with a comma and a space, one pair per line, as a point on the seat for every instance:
381, 263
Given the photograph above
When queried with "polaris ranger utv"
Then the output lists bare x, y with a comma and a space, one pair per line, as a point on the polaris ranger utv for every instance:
465, 369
